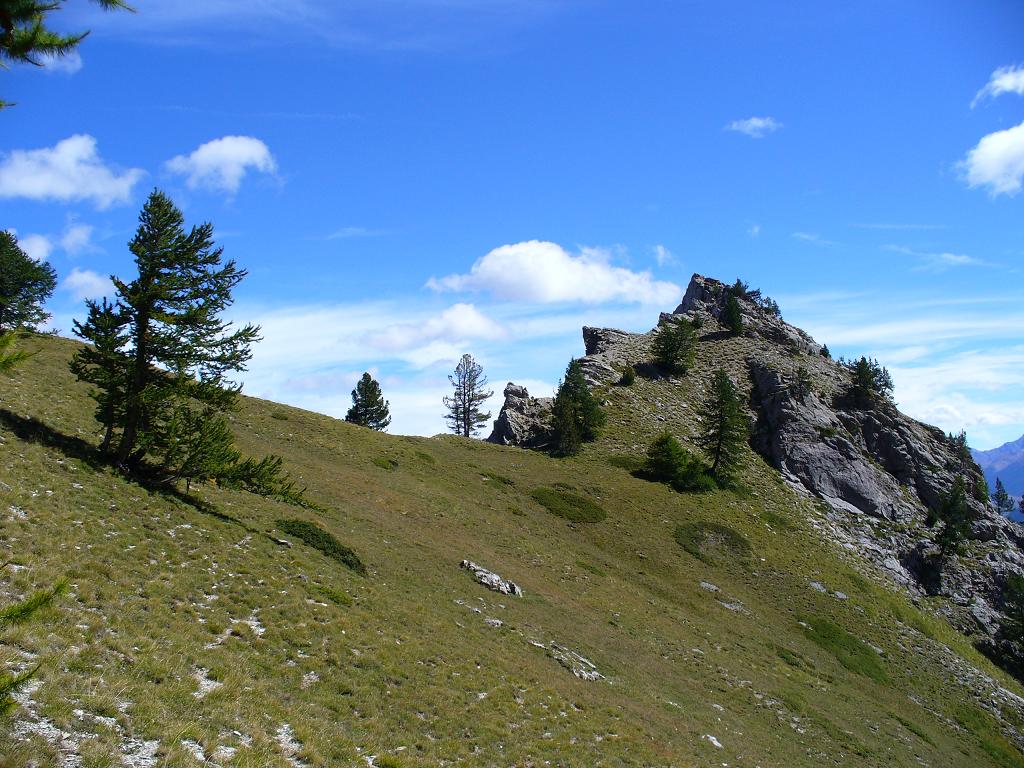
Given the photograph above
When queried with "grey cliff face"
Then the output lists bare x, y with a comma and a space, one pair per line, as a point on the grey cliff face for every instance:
523, 420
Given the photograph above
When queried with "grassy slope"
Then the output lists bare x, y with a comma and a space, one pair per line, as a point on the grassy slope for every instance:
405, 664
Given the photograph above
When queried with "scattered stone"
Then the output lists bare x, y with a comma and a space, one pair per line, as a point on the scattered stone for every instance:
290, 746
817, 586
708, 586
206, 684
580, 666
714, 742
492, 580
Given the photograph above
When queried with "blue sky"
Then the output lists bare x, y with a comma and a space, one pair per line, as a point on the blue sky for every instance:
406, 180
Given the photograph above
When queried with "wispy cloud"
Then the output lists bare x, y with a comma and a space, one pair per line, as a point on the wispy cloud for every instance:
68, 64
86, 284
663, 256
938, 261
755, 127
754, 230
811, 237
349, 233
1004, 80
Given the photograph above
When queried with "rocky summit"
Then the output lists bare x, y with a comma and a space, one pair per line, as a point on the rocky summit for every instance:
449, 601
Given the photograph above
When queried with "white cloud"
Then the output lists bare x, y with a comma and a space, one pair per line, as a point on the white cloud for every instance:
69, 171
1003, 80
348, 233
997, 162
67, 64
545, 273
222, 163
458, 323
77, 238
86, 284
938, 262
663, 256
810, 237
754, 230
755, 127
37, 247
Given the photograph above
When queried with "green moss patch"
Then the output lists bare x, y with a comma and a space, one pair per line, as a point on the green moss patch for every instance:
571, 506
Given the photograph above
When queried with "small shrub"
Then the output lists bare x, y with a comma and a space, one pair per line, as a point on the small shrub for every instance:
389, 761
669, 462
316, 537
571, 506
336, 596
425, 457
704, 540
850, 651
385, 463
628, 377
279, 415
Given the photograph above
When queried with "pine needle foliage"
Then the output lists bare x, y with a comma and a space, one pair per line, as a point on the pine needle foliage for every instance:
162, 350
725, 428
870, 382
1002, 499
369, 408
9, 356
669, 462
20, 613
26, 38
732, 315
955, 516
469, 383
576, 415
25, 284
674, 346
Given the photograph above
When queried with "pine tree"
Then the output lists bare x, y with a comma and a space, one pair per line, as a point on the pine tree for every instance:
576, 414
9, 356
725, 428
1002, 500
19, 613
732, 314
25, 284
464, 416
825, 353
870, 382
674, 346
956, 516
369, 408
25, 38
162, 349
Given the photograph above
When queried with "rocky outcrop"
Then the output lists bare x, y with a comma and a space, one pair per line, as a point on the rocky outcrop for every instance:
492, 580
880, 473
523, 420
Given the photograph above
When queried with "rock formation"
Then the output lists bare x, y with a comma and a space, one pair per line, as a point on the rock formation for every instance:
878, 472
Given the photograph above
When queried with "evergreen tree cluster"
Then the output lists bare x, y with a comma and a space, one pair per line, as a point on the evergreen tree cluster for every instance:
870, 381
725, 432
159, 357
576, 414
674, 346
954, 515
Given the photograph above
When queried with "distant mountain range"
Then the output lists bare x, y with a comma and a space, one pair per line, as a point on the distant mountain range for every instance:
1007, 463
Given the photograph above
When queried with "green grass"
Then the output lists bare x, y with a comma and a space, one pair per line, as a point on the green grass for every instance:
161, 586
319, 539
851, 652
571, 506
712, 543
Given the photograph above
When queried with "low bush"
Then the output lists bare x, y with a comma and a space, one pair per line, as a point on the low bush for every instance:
319, 539
571, 506
628, 377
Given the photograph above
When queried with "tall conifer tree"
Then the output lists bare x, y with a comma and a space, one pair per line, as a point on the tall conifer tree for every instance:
576, 414
162, 348
464, 416
725, 428
369, 408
